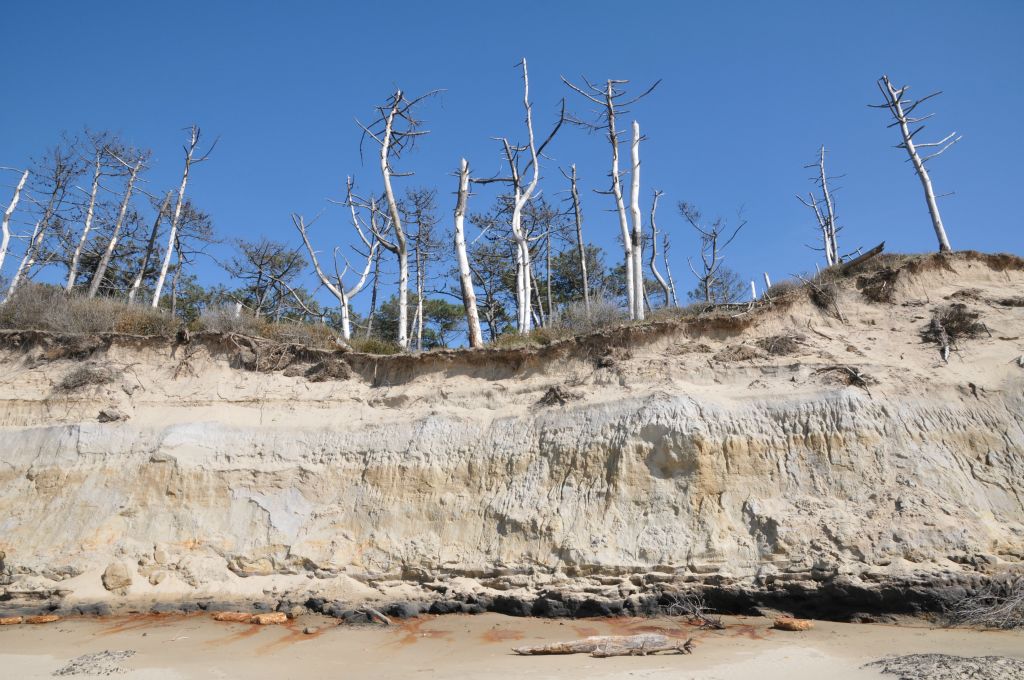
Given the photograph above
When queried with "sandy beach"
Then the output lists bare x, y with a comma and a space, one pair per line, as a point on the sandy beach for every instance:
460, 646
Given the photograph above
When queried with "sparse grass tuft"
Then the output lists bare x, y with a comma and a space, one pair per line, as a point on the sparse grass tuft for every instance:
87, 374
951, 323
781, 345
374, 346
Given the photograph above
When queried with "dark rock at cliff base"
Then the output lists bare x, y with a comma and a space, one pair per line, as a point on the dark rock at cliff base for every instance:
403, 610
511, 606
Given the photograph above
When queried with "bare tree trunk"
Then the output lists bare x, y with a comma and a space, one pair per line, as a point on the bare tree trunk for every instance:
668, 271
540, 300
38, 234
830, 212
580, 244
173, 235
343, 295
638, 230
27, 260
373, 296
5, 240
894, 101
465, 275
174, 281
150, 247
101, 269
419, 297
654, 250
89, 212
627, 240
547, 272
402, 248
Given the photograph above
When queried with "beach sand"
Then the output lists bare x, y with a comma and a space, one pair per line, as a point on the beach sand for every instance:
462, 646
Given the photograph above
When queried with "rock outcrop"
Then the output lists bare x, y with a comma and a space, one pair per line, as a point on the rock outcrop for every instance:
449, 480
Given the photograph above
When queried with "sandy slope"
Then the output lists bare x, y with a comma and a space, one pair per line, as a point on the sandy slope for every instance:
691, 456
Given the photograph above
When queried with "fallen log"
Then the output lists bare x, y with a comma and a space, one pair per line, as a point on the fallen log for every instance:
846, 266
611, 645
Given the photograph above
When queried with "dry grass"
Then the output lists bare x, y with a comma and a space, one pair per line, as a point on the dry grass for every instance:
48, 308
952, 323
784, 289
329, 370
781, 345
224, 320
86, 375
374, 346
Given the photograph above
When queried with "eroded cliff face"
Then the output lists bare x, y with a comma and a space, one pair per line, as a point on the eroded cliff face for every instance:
767, 478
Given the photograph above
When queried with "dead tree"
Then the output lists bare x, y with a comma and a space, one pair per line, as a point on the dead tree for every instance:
637, 245
668, 270
418, 208
337, 286
522, 191
654, 251
108, 252
99, 150
580, 244
465, 274
368, 332
824, 210
172, 236
901, 109
150, 248
609, 99
5, 239
55, 174
714, 239
394, 131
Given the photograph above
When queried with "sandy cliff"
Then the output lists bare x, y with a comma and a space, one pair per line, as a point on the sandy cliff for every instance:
742, 451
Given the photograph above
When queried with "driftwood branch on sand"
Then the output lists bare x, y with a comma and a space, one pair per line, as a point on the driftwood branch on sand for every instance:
612, 645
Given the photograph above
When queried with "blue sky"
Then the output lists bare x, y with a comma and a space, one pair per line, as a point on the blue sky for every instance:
750, 89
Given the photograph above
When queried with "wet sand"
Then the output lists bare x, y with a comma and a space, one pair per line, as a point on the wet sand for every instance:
462, 646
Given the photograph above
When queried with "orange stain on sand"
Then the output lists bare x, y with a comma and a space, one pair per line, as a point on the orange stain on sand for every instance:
502, 635
412, 630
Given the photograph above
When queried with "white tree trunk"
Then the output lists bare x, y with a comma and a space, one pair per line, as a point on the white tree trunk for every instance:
137, 283
5, 239
402, 251
89, 212
343, 295
465, 275
419, 301
101, 269
654, 251
830, 211
922, 172
638, 234
620, 206
581, 246
346, 323
668, 272
28, 259
173, 235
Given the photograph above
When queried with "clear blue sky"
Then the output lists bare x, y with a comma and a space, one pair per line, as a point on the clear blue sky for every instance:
750, 90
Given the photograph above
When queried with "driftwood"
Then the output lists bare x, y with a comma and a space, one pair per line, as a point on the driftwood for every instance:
612, 645
374, 614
